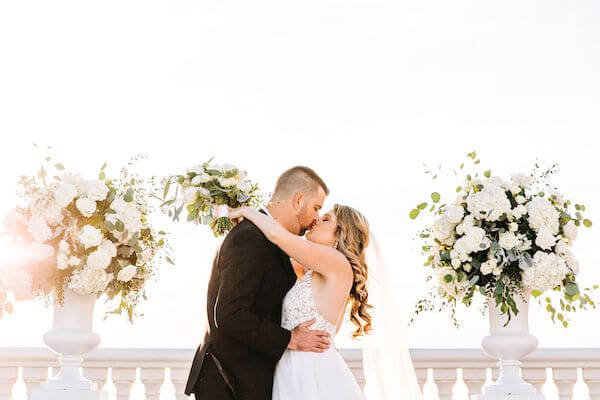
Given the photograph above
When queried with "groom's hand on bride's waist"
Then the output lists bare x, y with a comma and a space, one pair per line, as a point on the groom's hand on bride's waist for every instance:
304, 339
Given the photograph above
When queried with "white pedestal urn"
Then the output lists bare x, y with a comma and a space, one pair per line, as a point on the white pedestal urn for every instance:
71, 337
509, 344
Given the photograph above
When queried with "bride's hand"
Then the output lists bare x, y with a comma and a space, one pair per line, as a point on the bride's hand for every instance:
237, 214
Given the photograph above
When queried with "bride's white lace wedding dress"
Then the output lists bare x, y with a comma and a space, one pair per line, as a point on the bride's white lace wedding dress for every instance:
305, 375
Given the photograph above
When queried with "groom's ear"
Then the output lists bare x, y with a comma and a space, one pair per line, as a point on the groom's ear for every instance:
298, 201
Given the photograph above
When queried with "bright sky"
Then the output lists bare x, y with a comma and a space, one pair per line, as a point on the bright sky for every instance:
363, 91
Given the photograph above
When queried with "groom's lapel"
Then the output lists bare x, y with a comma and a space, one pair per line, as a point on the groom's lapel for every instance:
285, 260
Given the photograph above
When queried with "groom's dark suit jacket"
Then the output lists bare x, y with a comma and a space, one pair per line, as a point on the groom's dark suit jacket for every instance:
249, 279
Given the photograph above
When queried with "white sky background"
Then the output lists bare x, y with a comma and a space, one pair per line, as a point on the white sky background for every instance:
362, 91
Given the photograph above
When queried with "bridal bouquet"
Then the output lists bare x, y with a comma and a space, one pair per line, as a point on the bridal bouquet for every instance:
503, 238
89, 235
207, 191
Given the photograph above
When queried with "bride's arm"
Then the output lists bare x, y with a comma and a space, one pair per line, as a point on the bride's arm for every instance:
321, 258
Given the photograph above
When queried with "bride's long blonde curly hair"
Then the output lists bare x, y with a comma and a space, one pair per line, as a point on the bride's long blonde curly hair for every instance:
353, 238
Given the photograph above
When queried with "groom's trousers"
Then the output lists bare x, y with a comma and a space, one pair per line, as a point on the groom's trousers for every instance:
217, 389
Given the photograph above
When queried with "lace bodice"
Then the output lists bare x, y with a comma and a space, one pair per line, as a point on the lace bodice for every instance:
299, 306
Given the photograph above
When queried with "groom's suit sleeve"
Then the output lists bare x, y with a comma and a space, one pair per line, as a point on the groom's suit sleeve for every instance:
244, 259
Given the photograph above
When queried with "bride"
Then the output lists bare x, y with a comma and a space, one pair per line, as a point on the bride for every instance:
333, 275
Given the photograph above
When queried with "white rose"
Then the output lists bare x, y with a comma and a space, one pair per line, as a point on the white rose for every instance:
38, 229
96, 190
455, 263
562, 247
467, 267
570, 230
455, 214
227, 182
86, 206
442, 228
62, 261
40, 251
109, 247
127, 273
520, 199
571, 262
64, 194
497, 271
90, 236
99, 259
545, 238
521, 180
508, 241
63, 246
513, 227
485, 268
73, 261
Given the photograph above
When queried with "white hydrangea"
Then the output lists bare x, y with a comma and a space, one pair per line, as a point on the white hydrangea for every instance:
570, 230
545, 238
86, 206
90, 281
127, 273
96, 190
52, 214
63, 246
127, 213
513, 227
38, 229
519, 211
490, 203
64, 194
520, 199
542, 213
468, 222
488, 266
90, 236
521, 180
508, 240
548, 270
455, 214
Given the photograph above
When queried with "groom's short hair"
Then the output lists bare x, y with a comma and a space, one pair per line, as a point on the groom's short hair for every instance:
299, 178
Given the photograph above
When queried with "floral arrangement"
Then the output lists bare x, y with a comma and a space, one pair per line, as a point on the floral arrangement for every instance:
207, 191
92, 236
503, 238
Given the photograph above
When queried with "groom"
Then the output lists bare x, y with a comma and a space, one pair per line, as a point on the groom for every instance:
249, 279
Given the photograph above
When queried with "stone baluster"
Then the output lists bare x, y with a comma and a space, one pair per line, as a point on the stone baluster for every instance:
474, 379
97, 374
445, 379
152, 379
33, 377
123, 379
565, 379
421, 376
179, 378
8, 377
535, 376
591, 376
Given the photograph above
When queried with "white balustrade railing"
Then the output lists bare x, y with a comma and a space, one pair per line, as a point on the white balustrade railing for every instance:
442, 373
